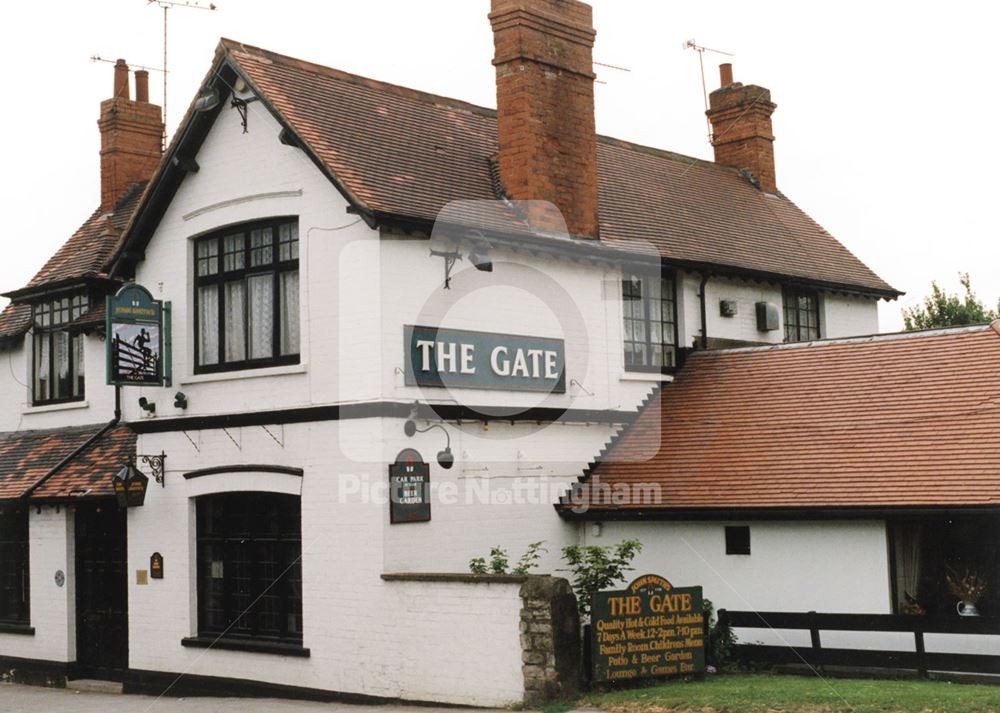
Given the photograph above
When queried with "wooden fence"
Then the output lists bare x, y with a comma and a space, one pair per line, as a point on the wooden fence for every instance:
919, 659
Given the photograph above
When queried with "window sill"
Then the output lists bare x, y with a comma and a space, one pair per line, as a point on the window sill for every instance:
244, 374
645, 376
21, 629
250, 645
65, 406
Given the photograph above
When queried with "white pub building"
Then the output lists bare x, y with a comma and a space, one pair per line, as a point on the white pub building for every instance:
365, 280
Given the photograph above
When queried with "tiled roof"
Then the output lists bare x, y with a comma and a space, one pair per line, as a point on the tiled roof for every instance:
15, 320
881, 422
27, 456
405, 153
87, 251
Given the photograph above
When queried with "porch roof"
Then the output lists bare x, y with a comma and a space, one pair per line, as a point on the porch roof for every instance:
874, 423
27, 457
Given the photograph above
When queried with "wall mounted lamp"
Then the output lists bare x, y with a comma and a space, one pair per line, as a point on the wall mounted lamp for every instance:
147, 405
445, 458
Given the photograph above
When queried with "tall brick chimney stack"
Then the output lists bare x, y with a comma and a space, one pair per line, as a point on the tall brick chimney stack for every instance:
131, 136
741, 128
545, 108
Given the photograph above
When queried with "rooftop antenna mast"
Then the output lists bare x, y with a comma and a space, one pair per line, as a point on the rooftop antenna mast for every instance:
609, 66
166, 5
692, 45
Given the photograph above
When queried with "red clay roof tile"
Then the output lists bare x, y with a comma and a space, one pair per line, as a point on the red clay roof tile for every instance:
888, 421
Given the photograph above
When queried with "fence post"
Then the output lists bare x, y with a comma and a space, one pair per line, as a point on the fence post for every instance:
918, 637
814, 639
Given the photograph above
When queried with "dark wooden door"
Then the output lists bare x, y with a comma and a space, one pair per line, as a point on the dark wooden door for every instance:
101, 594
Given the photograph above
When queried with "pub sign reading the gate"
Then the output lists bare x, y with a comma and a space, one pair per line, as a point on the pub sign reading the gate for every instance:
650, 629
461, 358
138, 338
409, 488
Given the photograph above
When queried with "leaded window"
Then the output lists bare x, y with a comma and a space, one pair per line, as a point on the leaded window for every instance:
249, 566
57, 350
247, 296
801, 309
14, 599
650, 322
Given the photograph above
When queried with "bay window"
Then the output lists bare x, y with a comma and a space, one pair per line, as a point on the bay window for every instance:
650, 328
57, 351
247, 296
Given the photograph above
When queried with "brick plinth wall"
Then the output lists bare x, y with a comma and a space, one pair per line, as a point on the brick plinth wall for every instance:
741, 130
545, 110
550, 640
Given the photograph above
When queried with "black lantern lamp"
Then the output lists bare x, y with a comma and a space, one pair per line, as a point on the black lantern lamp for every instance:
445, 458
130, 486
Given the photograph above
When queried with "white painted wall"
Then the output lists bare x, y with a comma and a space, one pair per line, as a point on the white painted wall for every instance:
848, 316
836, 567
53, 608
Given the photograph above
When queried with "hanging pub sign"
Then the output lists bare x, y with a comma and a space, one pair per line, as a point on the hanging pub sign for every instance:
138, 338
409, 488
130, 487
460, 358
650, 629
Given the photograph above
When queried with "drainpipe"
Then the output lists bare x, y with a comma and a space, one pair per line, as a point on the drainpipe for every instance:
79, 449
704, 314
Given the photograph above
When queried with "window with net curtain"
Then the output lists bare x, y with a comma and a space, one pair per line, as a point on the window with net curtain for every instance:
57, 350
649, 308
247, 296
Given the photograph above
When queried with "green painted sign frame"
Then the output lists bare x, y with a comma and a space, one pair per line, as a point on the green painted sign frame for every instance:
467, 359
137, 342
650, 629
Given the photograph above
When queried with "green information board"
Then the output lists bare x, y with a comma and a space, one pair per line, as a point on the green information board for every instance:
651, 629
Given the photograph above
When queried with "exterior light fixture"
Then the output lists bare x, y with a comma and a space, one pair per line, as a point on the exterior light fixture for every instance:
180, 400
208, 99
130, 486
445, 458
147, 405
479, 253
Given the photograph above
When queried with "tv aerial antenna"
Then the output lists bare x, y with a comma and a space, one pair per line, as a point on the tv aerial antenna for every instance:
692, 45
609, 66
167, 5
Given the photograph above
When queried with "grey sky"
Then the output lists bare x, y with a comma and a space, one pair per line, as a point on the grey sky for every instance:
884, 123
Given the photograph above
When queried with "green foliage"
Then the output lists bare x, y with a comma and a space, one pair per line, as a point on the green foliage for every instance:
721, 639
596, 567
530, 558
941, 309
499, 562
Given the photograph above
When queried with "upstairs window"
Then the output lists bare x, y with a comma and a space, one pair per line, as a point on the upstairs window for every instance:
14, 565
801, 315
250, 567
649, 305
57, 351
247, 296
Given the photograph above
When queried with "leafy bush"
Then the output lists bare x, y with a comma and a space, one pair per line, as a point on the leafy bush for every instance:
499, 562
720, 639
596, 567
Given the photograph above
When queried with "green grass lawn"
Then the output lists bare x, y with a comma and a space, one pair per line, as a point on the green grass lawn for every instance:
764, 693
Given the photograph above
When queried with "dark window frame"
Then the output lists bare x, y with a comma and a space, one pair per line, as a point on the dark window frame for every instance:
15, 567
50, 319
792, 315
242, 273
737, 539
669, 327
249, 544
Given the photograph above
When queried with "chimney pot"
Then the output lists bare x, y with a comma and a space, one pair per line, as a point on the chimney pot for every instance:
726, 74
741, 129
121, 80
141, 85
131, 136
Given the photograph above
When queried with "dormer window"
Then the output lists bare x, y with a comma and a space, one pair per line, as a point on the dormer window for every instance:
649, 305
57, 350
801, 309
247, 296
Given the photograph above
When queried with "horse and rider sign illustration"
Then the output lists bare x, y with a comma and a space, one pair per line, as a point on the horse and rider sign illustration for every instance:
138, 338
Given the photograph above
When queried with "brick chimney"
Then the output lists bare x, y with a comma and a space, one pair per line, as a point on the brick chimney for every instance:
741, 128
131, 136
545, 108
